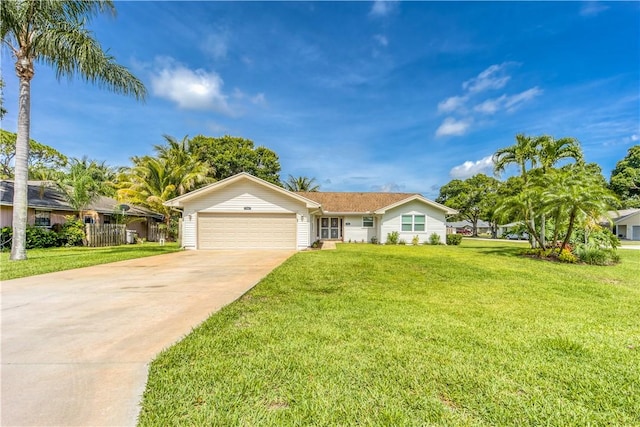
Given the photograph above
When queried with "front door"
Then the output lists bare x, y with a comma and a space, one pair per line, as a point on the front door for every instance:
330, 228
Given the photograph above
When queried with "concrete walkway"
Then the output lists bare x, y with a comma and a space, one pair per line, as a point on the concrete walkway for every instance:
76, 344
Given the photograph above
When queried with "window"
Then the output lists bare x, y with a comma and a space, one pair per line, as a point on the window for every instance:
88, 219
367, 221
413, 223
43, 219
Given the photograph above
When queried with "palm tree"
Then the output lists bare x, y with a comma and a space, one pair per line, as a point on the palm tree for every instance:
549, 152
53, 32
189, 172
82, 183
301, 183
520, 154
581, 195
152, 181
523, 152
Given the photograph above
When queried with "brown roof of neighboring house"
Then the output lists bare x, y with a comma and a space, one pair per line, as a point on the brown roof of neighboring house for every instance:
354, 202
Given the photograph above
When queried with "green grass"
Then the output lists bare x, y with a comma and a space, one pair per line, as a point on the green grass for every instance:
40, 261
413, 336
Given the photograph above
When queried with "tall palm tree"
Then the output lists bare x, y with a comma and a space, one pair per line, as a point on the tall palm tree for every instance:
53, 32
301, 183
549, 152
522, 153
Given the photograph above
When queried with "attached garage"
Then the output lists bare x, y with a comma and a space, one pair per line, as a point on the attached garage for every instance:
244, 212
247, 231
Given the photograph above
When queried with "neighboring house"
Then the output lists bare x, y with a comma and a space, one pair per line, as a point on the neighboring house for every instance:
47, 206
246, 212
466, 227
626, 223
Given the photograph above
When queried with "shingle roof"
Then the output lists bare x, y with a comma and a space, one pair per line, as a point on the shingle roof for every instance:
354, 202
45, 195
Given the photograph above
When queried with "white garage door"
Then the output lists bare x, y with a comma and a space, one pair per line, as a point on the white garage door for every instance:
246, 231
635, 232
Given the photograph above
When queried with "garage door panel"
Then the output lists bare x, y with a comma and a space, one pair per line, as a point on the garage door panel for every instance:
246, 231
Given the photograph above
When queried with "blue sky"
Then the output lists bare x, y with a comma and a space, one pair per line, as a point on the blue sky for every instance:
363, 96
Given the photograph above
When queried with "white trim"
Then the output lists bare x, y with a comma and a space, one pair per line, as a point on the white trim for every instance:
179, 201
447, 210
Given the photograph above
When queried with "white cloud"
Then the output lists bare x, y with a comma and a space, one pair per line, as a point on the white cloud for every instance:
514, 101
490, 106
190, 89
592, 8
469, 168
634, 137
217, 45
506, 102
451, 126
451, 104
381, 39
390, 187
382, 7
491, 78
259, 99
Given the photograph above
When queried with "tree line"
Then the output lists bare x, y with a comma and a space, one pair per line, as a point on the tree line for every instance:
554, 194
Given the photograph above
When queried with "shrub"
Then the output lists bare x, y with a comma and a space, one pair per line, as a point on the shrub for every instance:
392, 238
567, 256
402, 242
434, 239
5, 237
72, 232
594, 255
38, 237
454, 239
374, 240
415, 241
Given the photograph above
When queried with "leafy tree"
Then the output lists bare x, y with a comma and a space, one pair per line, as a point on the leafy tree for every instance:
473, 198
301, 183
229, 155
625, 178
40, 156
53, 32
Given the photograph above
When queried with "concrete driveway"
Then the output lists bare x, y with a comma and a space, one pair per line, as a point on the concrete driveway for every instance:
76, 344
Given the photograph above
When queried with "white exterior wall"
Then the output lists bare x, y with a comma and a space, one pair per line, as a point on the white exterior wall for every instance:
234, 198
630, 222
354, 231
434, 222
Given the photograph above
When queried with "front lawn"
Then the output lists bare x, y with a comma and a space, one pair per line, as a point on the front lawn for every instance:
48, 260
402, 335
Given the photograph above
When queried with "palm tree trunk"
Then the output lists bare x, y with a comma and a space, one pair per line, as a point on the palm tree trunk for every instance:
543, 223
572, 218
20, 186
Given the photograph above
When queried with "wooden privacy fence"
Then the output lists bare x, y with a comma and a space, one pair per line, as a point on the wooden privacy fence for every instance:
155, 232
99, 235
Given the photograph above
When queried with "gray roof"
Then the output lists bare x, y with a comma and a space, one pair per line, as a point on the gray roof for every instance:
46, 195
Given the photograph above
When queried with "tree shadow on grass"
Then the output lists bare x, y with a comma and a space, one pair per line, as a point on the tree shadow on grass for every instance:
512, 252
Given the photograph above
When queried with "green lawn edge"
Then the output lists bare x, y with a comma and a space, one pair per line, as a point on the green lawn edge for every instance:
41, 261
